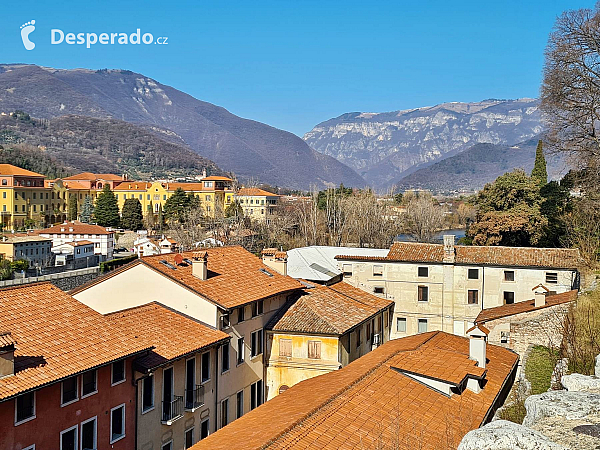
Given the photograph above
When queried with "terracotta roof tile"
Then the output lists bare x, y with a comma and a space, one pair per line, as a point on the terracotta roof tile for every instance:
524, 307
331, 309
6, 340
255, 192
368, 404
567, 258
78, 228
9, 169
95, 176
172, 334
57, 337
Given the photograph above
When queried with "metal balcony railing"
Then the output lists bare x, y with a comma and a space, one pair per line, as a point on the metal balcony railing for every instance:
173, 410
194, 398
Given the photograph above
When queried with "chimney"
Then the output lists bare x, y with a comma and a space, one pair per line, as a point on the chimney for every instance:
7, 355
449, 248
275, 259
477, 351
200, 265
540, 292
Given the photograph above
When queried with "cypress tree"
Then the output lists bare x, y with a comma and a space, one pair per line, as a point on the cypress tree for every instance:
73, 207
539, 171
106, 213
131, 215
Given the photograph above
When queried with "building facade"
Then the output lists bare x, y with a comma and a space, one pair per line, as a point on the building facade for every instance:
258, 204
74, 231
36, 250
445, 287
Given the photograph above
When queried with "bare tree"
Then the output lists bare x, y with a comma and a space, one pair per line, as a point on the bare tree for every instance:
571, 87
424, 217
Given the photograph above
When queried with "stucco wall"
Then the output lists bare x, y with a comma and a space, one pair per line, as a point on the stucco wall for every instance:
447, 308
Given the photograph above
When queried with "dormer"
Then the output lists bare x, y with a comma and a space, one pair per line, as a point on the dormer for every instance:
7, 355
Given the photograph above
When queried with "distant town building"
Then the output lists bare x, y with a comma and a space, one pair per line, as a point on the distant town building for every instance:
75, 255
34, 249
445, 287
258, 204
75, 231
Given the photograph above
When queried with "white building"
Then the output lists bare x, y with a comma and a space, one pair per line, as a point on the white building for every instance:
77, 255
445, 287
75, 231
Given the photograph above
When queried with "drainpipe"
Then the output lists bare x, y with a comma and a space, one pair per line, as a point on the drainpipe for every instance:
217, 389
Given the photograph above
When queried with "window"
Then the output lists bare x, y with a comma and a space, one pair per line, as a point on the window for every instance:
256, 394
422, 326
378, 290
224, 358
401, 325
423, 292
167, 446
423, 271
257, 338
357, 337
117, 423
89, 435
147, 394
204, 430
225, 321
25, 407
241, 314
239, 412
69, 391
473, 297
347, 269
509, 297
504, 337
189, 438
473, 274
240, 350
89, 383
285, 348
509, 275
68, 439
257, 308
377, 270
205, 367
368, 335
314, 349
224, 412
118, 372
551, 277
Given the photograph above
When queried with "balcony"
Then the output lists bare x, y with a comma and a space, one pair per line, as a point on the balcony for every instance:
173, 410
194, 398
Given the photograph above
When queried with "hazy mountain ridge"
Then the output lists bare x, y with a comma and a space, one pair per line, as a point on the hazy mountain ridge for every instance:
248, 148
384, 147
471, 169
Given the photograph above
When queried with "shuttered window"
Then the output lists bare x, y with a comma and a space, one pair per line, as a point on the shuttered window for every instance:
285, 347
314, 349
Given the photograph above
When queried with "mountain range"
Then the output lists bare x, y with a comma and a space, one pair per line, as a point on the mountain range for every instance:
248, 148
471, 169
386, 147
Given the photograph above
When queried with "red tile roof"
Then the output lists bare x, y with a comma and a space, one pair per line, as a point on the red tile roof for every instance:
78, 228
6, 339
10, 170
369, 404
172, 334
334, 310
95, 176
256, 192
567, 258
57, 337
524, 307
235, 276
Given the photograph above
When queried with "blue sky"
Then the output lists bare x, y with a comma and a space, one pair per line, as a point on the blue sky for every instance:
295, 63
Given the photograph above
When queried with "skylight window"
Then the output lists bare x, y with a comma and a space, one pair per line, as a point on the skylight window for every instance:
187, 261
164, 262
266, 272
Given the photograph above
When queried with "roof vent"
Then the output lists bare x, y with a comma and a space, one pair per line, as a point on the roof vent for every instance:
164, 262
265, 271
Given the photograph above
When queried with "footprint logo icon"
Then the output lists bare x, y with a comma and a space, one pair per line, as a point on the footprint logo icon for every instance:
26, 30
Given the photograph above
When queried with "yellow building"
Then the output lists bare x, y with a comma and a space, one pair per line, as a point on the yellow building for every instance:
325, 329
258, 204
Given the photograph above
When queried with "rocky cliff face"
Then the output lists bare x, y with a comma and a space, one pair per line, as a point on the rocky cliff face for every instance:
383, 147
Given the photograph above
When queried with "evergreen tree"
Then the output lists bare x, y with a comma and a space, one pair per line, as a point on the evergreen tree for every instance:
234, 210
73, 207
539, 171
106, 212
131, 215
87, 210
177, 205
161, 218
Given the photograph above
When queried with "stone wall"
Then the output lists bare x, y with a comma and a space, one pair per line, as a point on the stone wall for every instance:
519, 332
64, 280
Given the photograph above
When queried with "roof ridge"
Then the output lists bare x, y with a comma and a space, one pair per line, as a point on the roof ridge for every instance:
351, 298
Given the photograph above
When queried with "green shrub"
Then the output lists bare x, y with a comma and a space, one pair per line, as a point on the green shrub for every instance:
107, 266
